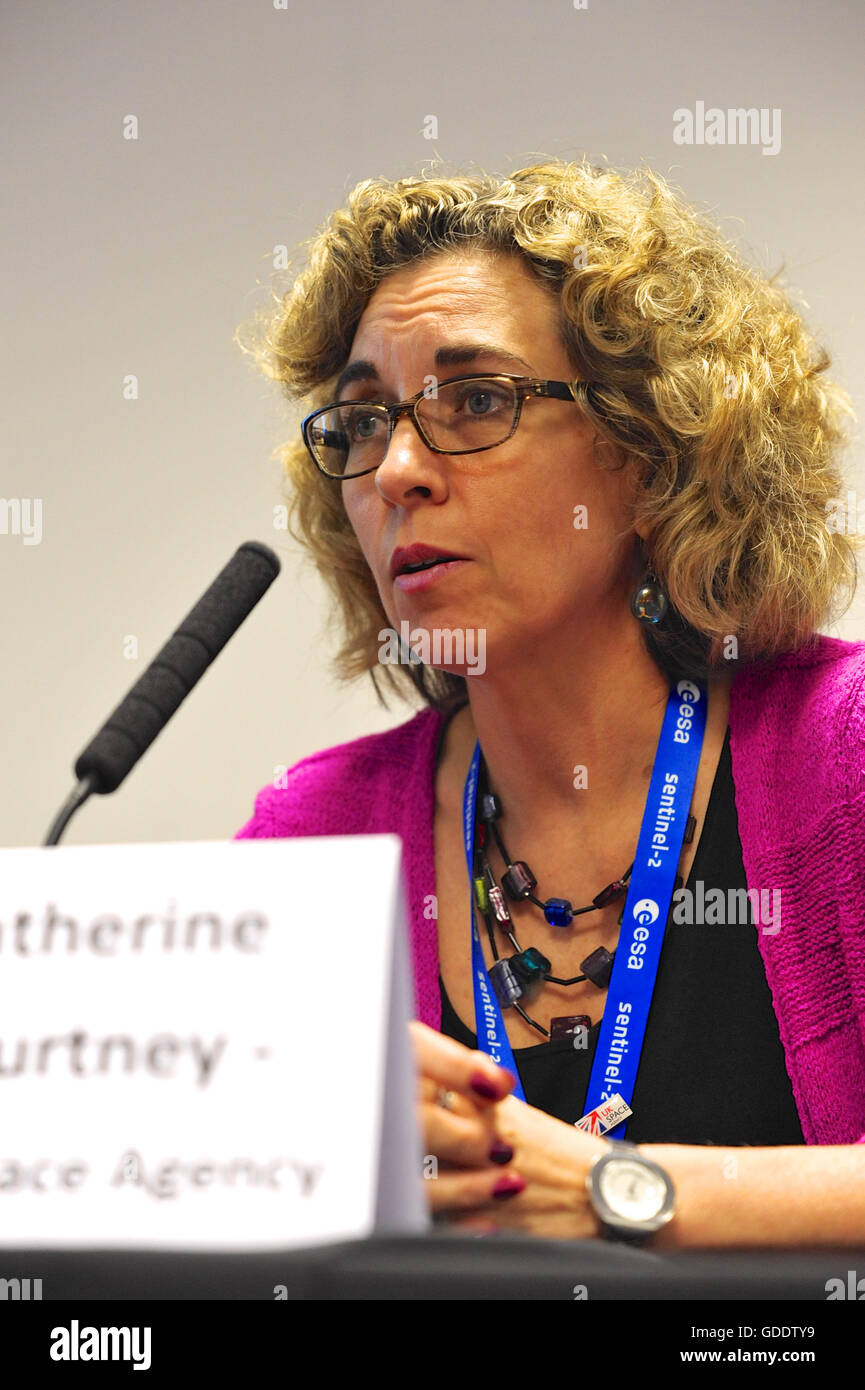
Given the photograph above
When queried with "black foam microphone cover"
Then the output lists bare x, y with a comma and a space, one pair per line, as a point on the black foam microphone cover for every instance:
178, 666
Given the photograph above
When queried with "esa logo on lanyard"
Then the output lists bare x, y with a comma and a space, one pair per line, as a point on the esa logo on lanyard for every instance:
687, 691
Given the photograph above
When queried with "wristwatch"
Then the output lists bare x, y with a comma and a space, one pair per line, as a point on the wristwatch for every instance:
632, 1195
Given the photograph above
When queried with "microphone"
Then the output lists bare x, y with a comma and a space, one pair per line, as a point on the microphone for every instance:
157, 694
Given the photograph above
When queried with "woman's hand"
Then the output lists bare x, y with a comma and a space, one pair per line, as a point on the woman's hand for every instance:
553, 1159
492, 1160
463, 1155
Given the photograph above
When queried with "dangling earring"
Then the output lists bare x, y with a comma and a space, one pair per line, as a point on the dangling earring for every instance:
649, 602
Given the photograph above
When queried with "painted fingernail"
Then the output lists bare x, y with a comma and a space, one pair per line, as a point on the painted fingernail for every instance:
508, 1187
482, 1086
501, 1152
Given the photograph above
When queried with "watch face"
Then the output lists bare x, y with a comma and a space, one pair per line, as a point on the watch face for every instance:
630, 1190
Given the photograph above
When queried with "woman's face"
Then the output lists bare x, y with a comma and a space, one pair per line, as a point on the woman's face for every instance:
532, 579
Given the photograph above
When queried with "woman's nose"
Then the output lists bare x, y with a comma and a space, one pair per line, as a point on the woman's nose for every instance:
406, 445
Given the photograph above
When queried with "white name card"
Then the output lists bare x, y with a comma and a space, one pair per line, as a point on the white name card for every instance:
205, 1045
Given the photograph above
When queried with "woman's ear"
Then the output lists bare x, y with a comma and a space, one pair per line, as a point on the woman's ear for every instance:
608, 455
637, 559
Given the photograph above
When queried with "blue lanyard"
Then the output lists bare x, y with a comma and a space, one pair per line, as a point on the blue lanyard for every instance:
647, 906
489, 1023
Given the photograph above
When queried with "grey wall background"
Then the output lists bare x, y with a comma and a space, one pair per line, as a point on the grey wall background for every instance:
142, 256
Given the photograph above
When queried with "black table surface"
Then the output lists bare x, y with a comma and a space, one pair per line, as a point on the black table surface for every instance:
438, 1265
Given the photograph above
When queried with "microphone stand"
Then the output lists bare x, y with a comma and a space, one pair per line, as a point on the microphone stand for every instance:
77, 797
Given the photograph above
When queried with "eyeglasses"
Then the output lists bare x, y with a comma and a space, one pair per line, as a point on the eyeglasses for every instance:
462, 416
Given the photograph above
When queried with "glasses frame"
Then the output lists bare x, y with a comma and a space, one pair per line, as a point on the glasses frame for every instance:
525, 388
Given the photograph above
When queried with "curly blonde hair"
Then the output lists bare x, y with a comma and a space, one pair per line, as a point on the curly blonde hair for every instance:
712, 389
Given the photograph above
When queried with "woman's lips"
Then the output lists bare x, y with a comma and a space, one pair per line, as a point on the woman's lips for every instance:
424, 579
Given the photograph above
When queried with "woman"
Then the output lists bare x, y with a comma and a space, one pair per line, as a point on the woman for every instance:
599, 527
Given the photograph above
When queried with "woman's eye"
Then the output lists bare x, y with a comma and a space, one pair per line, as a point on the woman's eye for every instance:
483, 400
358, 423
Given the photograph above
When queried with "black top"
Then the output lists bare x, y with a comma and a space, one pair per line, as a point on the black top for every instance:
712, 1068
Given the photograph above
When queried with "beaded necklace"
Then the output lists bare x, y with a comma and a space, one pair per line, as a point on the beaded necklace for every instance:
523, 975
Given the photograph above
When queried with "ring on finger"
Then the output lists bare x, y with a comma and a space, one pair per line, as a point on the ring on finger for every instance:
445, 1098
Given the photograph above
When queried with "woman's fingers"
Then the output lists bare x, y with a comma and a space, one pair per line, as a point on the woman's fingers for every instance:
432, 1093
458, 1068
460, 1132
462, 1139
465, 1191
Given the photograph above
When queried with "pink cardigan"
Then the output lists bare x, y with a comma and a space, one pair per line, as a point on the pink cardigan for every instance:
797, 744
